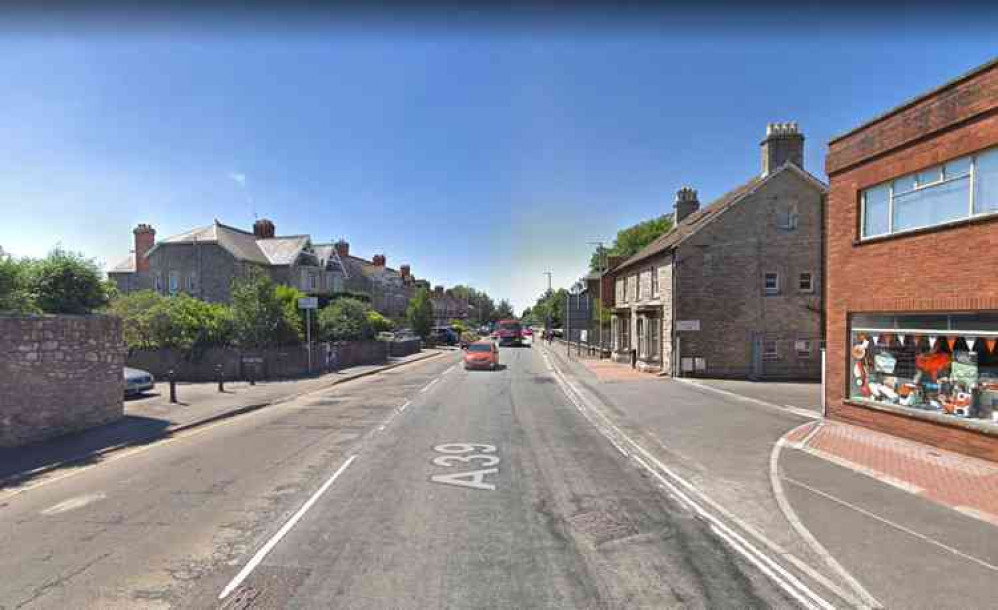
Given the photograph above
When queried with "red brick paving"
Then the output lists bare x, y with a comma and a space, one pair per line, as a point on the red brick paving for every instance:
608, 370
958, 481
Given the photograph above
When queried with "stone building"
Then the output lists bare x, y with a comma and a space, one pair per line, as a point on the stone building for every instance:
912, 308
204, 261
734, 289
447, 306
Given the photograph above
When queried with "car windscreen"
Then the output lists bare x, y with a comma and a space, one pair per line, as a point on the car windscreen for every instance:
479, 347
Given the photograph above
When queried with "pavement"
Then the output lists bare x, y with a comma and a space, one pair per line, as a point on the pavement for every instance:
151, 415
891, 522
425, 486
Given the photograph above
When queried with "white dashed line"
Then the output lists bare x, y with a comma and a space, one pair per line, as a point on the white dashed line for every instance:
429, 385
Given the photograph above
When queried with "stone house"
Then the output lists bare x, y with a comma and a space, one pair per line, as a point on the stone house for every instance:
735, 288
204, 261
447, 306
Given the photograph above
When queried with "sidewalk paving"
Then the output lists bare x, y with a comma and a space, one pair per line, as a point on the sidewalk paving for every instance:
963, 483
152, 416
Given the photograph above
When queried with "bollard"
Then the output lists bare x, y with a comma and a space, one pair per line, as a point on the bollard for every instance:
219, 373
173, 385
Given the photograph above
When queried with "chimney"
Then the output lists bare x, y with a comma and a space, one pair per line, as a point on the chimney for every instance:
686, 203
783, 143
342, 248
378, 260
406, 272
438, 290
145, 239
263, 229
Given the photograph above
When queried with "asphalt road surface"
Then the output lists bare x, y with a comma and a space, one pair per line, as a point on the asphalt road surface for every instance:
423, 487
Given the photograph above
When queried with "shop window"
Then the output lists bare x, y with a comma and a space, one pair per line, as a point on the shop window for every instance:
770, 349
771, 283
955, 190
803, 348
806, 282
942, 364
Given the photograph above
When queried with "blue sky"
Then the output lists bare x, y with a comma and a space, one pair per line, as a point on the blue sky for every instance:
482, 156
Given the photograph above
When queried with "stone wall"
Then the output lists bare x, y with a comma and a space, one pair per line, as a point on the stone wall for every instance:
58, 374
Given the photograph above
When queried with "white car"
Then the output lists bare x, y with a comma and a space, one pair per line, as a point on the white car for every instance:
137, 381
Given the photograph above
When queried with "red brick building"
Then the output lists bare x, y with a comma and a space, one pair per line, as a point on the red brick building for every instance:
912, 269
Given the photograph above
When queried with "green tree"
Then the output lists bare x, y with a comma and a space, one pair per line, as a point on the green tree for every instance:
345, 320
295, 317
504, 310
66, 282
629, 241
14, 295
550, 306
419, 313
259, 317
151, 321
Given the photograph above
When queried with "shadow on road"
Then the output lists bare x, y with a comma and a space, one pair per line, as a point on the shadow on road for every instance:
21, 464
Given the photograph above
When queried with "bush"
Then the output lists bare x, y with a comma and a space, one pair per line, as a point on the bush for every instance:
379, 323
152, 321
345, 320
62, 282
259, 317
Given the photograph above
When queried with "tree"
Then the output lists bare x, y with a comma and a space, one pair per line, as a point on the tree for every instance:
504, 310
295, 317
629, 241
550, 306
65, 282
260, 318
345, 320
419, 313
151, 321
14, 295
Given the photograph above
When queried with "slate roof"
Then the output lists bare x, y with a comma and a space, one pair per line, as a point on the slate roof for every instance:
243, 245
699, 219
125, 266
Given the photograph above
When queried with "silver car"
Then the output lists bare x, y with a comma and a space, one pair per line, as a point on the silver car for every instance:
137, 381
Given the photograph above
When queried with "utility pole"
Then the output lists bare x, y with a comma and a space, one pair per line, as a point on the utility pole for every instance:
547, 325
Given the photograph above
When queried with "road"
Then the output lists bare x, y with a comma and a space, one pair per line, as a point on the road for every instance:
354, 497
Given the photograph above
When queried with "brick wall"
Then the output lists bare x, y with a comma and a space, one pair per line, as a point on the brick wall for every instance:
937, 270
58, 374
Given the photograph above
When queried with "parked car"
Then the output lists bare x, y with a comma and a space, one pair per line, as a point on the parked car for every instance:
481, 355
444, 335
137, 381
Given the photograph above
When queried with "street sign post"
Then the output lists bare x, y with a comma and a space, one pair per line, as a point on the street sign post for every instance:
308, 304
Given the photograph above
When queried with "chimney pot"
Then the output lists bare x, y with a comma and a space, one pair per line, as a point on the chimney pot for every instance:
342, 248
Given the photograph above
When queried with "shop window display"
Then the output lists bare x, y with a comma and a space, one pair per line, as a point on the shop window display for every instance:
928, 363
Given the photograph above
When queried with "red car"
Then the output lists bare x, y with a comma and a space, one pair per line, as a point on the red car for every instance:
481, 355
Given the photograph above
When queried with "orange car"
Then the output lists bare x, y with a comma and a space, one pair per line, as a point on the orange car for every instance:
481, 355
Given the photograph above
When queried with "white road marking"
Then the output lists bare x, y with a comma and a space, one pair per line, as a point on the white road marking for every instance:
429, 385
784, 409
73, 503
890, 523
255, 561
785, 579
404, 406
474, 479
449, 369
791, 516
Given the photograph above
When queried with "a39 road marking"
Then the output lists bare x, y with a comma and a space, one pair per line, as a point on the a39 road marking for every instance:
466, 453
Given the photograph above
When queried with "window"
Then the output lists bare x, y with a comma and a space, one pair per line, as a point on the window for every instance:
771, 283
654, 282
337, 283
633, 287
624, 326
190, 283
806, 283
620, 290
786, 217
174, 282
313, 281
159, 282
769, 349
958, 189
945, 365
803, 348
654, 337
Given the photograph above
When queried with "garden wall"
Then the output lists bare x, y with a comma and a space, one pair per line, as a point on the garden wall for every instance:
271, 363
58, 374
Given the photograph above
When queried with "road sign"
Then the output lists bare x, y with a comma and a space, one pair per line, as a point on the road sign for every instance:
308, 303
688, 325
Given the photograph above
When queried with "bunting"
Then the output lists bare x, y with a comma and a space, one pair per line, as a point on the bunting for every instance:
991, 343
951, 342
